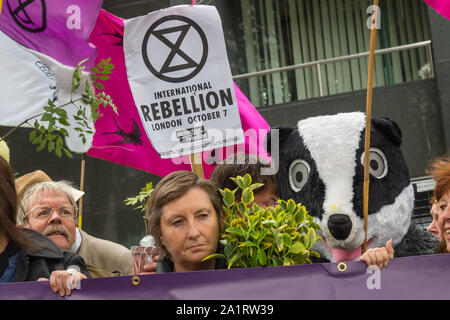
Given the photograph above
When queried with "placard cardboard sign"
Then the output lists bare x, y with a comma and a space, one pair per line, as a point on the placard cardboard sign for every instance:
181, 82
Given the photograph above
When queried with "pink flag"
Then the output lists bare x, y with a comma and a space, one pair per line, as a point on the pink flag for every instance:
441, 6
57, 28
122, 139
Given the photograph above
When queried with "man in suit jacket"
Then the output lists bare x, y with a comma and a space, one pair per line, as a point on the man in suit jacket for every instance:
50, 208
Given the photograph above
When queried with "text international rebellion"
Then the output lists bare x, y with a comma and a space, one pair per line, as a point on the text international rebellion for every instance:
194, 105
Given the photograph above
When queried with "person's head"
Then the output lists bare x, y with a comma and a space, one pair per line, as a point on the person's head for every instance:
185, 216
433, 226
8, 206
440, 171
50, 208
241, 164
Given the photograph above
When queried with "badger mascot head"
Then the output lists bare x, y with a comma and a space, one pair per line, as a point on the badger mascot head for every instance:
321, 165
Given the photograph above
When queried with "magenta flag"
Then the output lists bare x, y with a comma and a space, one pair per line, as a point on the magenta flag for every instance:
441, 6
59, 29
122, 139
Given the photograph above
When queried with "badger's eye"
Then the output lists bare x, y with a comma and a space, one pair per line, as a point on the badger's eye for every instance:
378, 163
298, 174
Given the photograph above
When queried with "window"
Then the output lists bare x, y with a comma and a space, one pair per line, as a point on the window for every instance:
279, 33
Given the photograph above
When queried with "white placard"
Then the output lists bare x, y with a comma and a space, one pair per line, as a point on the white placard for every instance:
181, 82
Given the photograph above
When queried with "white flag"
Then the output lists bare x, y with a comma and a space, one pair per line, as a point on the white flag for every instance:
28, 80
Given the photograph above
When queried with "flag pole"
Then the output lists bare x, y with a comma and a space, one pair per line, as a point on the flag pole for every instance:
373, 33
80, 209
196, 164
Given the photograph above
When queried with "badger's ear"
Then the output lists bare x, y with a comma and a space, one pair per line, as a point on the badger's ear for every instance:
283, 134
389, 128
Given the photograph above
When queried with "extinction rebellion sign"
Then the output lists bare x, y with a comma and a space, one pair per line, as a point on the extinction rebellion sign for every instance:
181, 82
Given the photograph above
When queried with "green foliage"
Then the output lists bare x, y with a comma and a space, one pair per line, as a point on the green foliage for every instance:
256, 237
50, 130
140, 200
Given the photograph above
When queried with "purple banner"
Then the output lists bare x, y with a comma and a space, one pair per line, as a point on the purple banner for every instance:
57, 28
410, 278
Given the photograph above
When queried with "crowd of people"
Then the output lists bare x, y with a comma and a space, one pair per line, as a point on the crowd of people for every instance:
40, 240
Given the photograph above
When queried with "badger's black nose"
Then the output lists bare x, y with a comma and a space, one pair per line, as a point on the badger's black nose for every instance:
340, 226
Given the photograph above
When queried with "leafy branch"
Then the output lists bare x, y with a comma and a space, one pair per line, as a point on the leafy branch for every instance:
50, 130
140, 201
256, 237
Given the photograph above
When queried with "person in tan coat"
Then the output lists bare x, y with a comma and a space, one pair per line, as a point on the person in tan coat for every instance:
45, 208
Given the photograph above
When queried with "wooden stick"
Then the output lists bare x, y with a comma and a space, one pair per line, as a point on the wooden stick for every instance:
80, 209
373, 33
196, 164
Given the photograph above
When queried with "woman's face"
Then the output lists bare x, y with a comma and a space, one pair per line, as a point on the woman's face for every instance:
433, 226
190, 230
444, 218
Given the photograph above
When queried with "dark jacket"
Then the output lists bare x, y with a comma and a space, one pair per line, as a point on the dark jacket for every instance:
33, 264
166, 265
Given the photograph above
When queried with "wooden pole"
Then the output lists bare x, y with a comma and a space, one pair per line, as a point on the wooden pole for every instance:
196, 164
373, 33
80, 207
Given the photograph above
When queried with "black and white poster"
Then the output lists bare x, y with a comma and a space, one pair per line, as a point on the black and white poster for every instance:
181, 82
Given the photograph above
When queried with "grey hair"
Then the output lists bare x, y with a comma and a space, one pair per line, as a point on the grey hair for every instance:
35, 190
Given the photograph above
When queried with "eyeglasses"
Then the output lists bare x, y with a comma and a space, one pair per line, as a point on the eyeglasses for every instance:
44, 213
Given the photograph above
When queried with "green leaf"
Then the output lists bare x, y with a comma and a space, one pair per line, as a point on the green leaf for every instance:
67, 152
255, 234
287, 240
247, 180
261, 255
248, 244
291, 205
61, 112
239, 182
228, 197
312, 236
42, 145
58, 152
279, 241
214, 256
234, 258
64, 132
256, 186
229, 249
306, 240
32, 136
37, 140
63, 121
297, 247
47, 117
99, 86
51, 146
237, 232
242, 207
247, 196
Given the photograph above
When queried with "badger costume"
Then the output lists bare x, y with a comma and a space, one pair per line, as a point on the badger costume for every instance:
321, 166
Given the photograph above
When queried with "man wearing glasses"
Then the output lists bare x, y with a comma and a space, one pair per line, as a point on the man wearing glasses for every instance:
50, 208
